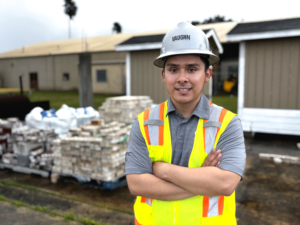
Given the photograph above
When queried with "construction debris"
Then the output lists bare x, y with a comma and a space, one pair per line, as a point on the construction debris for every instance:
124, 109
279, 159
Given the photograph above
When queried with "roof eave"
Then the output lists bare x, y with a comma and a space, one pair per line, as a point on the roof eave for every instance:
157, 45
263, 35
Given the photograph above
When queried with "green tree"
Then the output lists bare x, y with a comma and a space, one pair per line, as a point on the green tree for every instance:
70, 10
117, 28
215, 19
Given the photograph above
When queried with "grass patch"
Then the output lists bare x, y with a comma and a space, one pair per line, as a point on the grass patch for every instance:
85, 220
19, 203
88, 221
2, 198
70, 98
30, 188
44, 210
227, 102
69, 216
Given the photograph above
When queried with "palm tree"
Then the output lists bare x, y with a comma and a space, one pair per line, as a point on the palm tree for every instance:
117, 28
70, 10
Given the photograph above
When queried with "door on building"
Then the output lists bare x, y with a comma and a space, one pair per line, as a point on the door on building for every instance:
33, 80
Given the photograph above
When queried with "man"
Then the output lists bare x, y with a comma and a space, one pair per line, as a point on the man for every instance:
172, 164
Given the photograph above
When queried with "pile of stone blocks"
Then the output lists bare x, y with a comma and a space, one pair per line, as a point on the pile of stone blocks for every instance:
7, 128
25, 146
124, 108
100, 156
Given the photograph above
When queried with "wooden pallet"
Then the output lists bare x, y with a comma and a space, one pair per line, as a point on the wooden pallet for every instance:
25, 170
110, 185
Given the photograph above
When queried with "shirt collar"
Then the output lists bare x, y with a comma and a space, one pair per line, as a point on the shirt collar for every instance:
201, 110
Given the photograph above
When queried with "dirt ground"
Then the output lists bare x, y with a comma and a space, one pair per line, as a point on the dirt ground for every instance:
268, 193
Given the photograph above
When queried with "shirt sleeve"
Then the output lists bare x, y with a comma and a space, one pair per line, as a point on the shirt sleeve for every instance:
137, 160
232, 147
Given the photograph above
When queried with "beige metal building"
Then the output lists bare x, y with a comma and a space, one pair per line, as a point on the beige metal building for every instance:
269, 75
54, 65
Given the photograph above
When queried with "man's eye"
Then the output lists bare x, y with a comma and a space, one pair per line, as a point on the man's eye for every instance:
172, 70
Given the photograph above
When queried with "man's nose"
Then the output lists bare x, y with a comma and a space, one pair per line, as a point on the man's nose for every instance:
182, 77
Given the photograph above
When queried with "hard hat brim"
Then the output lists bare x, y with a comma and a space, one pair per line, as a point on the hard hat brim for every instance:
213, 59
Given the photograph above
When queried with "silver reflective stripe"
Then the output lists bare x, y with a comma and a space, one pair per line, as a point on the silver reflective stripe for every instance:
213, 209
153, 129
210, 132
212, 124
148, 201
154, 122
210, 136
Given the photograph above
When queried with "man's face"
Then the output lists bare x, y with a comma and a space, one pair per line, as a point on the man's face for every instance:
184, 76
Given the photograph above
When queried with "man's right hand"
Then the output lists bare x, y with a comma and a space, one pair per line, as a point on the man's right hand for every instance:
213, 159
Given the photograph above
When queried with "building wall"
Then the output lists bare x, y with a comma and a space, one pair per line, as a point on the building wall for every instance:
114, 65
272, 74
115, 79
146, 78
49, 69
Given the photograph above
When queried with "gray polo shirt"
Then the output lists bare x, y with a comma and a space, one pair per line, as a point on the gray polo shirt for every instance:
183, 130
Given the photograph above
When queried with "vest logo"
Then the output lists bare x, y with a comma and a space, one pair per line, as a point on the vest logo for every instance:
181, 37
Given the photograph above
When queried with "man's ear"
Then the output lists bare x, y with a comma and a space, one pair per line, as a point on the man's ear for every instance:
163, 75
208, 74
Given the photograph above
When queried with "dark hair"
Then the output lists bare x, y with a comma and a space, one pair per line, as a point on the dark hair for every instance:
204, 59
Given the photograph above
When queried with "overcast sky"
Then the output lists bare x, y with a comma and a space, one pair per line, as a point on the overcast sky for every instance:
25, 22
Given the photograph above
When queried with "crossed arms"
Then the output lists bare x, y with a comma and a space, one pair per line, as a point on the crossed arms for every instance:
170, 182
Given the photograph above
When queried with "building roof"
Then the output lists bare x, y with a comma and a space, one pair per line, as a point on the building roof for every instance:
144, 39
102, 43
149, 42
265, 29
265, 26
147, 39
73, 46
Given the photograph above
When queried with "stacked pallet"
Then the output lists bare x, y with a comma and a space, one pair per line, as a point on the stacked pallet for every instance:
100, 156
124, 109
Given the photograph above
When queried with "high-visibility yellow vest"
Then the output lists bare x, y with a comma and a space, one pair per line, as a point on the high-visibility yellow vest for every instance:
200, 210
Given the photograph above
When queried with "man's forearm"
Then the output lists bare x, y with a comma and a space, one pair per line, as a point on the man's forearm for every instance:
207, 181
150, 186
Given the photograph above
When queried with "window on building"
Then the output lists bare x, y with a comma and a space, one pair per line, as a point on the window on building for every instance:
66, 76
101, 76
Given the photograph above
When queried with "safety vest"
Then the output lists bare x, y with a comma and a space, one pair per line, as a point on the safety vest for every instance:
200, 210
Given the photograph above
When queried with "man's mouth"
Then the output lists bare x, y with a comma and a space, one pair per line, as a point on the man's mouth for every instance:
183, 90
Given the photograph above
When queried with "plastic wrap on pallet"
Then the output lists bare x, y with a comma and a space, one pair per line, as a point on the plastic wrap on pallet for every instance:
124, 108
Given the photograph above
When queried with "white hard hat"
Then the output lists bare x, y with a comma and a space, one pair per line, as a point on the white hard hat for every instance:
185, 39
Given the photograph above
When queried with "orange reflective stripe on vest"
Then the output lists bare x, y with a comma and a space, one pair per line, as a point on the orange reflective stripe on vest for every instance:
222, 115
161, 127
205, 206
136, 222
146, 117
221, 198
